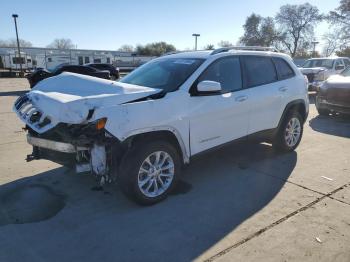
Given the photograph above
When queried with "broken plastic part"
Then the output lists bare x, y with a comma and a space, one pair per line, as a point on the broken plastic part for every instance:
98, 159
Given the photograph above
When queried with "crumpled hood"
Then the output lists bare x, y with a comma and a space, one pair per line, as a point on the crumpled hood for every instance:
68, 97
313, 70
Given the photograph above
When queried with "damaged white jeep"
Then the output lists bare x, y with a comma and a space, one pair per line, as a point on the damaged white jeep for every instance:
141, 130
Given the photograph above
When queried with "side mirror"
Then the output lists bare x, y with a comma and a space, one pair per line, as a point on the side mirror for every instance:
339, 67
209, 87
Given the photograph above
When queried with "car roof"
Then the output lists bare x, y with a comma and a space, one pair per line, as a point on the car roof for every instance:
208, 53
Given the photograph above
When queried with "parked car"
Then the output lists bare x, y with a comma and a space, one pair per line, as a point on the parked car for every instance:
317, 70
141, 130
113, 71
41, 74
334, 95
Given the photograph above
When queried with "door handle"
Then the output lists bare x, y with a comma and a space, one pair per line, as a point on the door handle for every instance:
241, 98
283, 89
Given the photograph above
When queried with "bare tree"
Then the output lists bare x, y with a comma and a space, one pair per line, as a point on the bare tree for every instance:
296, 25
223, 43
13, 43
126, 48
61, 43
334, 41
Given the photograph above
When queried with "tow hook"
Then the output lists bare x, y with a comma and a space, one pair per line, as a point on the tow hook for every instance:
34, 155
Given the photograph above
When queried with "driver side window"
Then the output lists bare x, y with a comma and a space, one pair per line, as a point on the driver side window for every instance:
226, 71
338, 62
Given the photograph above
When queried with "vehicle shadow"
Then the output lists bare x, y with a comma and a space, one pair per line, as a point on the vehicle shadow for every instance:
222, 190
337, 125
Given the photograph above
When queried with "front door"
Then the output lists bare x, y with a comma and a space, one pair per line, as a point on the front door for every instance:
220, 117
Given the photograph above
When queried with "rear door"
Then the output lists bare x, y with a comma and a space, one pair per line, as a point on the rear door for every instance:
267, 93
220, 117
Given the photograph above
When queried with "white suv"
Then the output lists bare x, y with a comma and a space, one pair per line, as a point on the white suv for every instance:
141, 130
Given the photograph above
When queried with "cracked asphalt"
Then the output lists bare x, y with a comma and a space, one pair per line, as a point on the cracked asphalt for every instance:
241, 203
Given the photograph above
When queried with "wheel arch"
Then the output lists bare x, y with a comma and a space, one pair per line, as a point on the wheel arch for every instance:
295, 105
167, 134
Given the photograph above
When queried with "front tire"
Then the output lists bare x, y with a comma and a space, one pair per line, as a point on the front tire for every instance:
321, 111
290, 133
149, 172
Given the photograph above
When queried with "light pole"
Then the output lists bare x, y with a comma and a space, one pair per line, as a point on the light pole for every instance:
314, 48
15, 16
195, 43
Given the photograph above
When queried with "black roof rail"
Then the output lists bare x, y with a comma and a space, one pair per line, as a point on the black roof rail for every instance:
248, 48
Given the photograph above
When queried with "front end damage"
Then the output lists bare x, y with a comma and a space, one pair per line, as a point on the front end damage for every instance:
64, 126
86, 148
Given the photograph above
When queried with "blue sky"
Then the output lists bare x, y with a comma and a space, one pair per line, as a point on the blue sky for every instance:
104, 24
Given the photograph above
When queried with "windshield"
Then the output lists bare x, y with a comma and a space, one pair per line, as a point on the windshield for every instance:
346, 72
167, 74
327, 63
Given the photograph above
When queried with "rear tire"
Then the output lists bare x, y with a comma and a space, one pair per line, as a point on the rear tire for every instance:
149, 171
289, 133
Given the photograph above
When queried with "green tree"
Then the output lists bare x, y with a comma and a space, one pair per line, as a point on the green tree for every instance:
155, 49
341, 16
259, 31
296, 25
223, 43
209, 47
339, 37
344, 52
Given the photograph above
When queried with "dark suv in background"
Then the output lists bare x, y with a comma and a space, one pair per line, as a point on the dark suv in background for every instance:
114, 71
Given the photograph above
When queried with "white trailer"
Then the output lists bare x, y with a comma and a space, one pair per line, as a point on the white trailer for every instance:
12, 61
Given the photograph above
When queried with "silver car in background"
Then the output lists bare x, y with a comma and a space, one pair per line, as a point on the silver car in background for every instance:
317, 70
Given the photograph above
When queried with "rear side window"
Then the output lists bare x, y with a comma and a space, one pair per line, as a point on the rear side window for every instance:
284, 70
259, 70
226, 71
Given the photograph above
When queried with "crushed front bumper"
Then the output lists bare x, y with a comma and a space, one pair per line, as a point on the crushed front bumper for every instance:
54, 145
85, 159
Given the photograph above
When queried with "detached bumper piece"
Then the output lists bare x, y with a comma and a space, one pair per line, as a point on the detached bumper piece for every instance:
85, 159
53, 145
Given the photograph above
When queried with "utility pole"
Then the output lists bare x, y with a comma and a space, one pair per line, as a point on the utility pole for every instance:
195, 37
314, 42
15, 16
